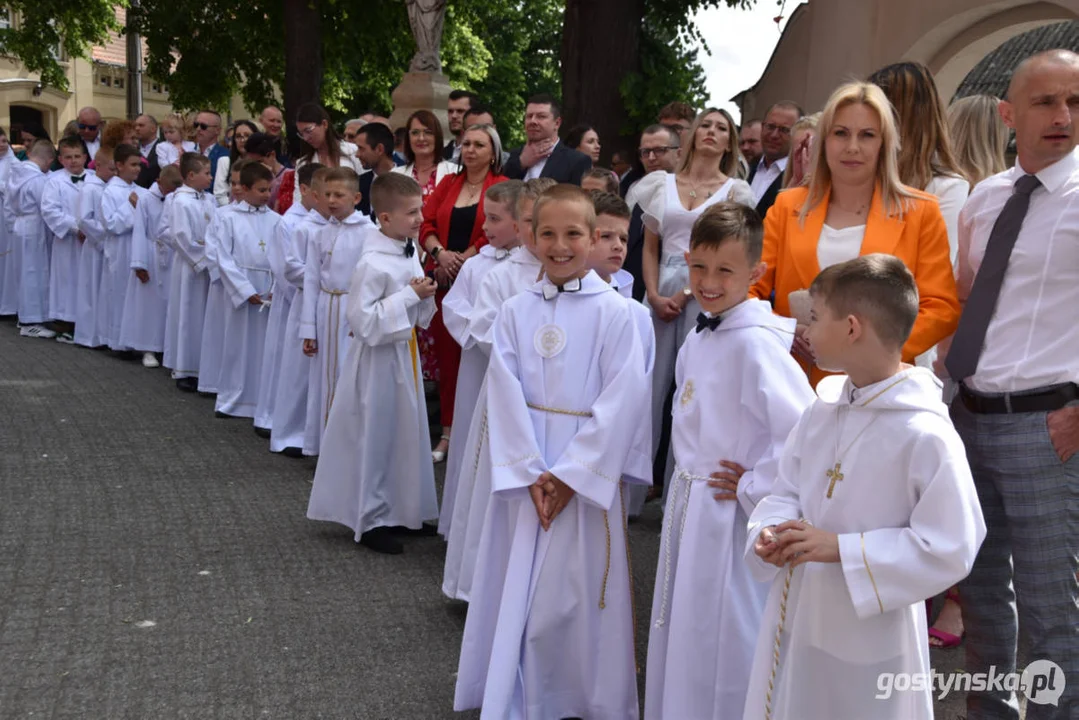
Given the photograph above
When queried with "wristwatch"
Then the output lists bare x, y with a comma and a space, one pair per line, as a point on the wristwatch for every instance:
436, 251
687, 291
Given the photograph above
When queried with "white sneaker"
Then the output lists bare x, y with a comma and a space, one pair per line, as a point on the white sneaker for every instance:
149, 360
36, 331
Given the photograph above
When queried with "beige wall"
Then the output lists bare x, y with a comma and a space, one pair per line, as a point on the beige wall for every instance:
829, 41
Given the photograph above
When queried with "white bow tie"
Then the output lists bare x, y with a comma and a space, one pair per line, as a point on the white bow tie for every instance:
551, 291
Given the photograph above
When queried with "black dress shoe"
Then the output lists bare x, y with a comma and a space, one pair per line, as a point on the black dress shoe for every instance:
262, 432
187, 384
292, 452
425, 530
223, 416
381, 540
206, 394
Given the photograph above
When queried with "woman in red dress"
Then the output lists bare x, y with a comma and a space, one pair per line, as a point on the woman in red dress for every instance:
452, 232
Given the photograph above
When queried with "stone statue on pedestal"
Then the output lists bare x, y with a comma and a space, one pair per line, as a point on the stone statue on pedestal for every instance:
426, 18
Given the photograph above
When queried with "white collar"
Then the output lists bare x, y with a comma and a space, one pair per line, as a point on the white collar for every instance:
1053, 177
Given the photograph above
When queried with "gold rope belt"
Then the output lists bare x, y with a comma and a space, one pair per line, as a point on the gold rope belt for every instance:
557, 411
333, 292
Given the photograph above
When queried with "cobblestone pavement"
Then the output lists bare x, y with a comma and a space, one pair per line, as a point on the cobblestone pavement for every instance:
155, 562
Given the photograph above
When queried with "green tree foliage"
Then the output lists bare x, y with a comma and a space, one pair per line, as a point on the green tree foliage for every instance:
41, 27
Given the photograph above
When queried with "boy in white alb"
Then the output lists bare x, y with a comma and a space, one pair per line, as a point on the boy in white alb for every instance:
289, 421
500, 228
142, 327
608, 255
873, 511
549, 632
284, 292
374, 474
331, 257
118, 203
89, 328
190, 213
244, 265
9, 256
59, 197
25, 183
520, 271
739, 392
217, 304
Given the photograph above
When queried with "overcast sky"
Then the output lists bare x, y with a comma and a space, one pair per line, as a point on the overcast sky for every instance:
741, 42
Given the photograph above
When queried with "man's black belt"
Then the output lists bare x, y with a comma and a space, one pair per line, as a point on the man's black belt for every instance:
1045, 399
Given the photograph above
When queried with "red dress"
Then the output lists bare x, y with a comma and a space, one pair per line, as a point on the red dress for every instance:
425, 339
437, 212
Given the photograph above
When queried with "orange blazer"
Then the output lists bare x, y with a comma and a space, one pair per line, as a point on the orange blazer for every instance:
919, 239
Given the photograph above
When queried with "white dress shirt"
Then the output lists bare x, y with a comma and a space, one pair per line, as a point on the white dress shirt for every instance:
839, 245
147, 148
766, 175
93, 146
535, 171
1033, 337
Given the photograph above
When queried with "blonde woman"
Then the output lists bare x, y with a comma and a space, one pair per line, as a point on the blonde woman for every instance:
672, 202
802, 137
925, 152
855, 205
177, 131
979, 136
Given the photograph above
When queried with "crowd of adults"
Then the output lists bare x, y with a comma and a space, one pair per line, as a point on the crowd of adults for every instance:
887, 167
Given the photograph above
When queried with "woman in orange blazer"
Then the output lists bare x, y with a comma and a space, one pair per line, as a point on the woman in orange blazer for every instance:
451, 233
855, 205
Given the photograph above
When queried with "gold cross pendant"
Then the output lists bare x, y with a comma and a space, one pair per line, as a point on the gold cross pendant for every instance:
835, 475
262, 244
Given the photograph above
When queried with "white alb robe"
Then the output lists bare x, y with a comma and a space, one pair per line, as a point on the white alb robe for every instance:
332, 255
374, 470
58, 200
24, 185
142, 326
549, 632
217, 308
190, 213
289, 421
909, 526
118, 217
472, 494
706, 610
244, 265
457, 307
10, 254
283, 294
89, 318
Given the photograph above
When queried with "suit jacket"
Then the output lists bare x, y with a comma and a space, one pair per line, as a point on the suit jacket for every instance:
565, 165
364, 206
919, 239
635, 252
438, 208
769, 197
216, 153
149, 172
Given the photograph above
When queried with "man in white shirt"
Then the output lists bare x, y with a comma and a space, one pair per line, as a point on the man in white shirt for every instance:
543, 155
766, 176
1015, 355
90, 127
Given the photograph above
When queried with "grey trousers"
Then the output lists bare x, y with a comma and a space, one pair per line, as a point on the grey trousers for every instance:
1025, 572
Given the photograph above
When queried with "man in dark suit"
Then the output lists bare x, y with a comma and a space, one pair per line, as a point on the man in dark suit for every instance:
543, 155
148, 136
374, 148
766, 175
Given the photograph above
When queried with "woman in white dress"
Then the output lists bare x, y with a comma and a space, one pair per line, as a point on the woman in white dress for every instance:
706, 174
320, 143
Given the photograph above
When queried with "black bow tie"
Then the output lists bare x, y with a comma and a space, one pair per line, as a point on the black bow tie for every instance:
410, 248
550, 291
711, 323
77, 178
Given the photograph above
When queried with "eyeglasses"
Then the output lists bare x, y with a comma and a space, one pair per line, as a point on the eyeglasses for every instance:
84, 126
203, 126
773, 128
420, 132
657, 151
306, 131
241, 136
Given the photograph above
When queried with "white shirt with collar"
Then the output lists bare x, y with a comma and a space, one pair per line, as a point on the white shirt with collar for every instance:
536, 170
766, 175
93, 146
147, 149
1033, 339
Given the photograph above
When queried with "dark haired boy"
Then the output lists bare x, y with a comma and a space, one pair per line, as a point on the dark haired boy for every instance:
738, 394
58, 199
118, 204
873, 511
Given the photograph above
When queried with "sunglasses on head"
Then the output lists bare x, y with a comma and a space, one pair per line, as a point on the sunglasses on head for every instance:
203, 126
84, 126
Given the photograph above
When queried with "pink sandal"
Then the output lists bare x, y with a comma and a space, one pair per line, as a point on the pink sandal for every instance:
947, 639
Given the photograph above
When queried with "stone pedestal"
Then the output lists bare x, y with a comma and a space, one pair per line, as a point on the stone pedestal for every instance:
421, 91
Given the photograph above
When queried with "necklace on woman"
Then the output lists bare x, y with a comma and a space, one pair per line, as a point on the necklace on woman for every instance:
693, 187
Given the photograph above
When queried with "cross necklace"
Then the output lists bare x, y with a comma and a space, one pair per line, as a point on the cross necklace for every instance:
835, 473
